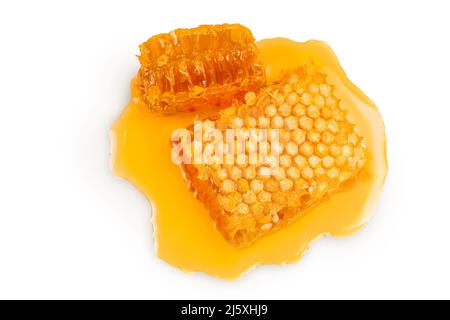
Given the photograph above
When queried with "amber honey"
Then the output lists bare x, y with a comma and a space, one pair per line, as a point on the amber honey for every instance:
185, 234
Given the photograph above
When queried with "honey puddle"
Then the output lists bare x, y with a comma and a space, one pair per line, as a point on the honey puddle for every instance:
183, 230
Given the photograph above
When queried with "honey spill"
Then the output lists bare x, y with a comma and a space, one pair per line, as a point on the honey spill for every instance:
184, 233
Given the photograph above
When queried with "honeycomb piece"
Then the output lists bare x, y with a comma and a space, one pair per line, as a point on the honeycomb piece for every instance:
318, 152
190, 69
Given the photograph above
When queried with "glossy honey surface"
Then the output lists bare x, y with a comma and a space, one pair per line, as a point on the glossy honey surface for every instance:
184, 233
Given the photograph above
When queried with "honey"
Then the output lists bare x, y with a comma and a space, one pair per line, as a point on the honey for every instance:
204, 67
318, 152
185, 235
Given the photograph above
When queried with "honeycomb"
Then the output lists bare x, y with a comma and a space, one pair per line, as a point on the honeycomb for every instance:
312, 150
190, 69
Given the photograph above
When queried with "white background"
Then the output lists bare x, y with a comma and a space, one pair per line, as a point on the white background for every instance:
69, 229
